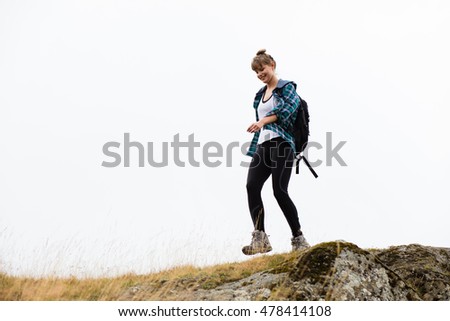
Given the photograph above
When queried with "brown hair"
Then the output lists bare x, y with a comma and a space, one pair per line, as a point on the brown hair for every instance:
261, 59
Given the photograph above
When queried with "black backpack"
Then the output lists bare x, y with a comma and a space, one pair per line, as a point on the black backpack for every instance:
300, 129
301, 133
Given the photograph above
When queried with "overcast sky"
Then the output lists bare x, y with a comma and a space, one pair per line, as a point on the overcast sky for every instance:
75, 75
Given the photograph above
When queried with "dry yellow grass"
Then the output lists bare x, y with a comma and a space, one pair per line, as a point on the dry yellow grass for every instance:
156, 286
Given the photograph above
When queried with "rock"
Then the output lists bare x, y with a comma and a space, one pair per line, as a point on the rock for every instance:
255, 287
425, 268
342, 271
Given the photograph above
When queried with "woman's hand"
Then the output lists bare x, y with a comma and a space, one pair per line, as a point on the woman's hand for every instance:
255, 127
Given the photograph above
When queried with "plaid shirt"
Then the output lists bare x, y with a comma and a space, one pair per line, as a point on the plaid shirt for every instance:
286, 109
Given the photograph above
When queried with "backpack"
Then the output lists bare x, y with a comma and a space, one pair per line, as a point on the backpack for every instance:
301, 133
300, 130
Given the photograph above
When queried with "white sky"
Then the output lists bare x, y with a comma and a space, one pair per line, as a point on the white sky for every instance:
77, 74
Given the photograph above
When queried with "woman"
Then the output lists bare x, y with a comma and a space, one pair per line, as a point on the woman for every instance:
272, 150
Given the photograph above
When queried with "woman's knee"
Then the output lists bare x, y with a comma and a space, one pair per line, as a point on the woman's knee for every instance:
253, 186
280, 193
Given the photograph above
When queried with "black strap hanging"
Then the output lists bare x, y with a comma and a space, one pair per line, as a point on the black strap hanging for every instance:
307, 164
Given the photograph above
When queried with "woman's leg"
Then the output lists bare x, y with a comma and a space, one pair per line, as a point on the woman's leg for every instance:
259, 171
282, 157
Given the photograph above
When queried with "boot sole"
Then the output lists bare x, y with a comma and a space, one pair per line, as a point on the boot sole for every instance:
255, 251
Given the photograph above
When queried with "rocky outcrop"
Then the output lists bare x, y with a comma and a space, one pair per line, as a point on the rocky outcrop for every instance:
425, 269
334, 271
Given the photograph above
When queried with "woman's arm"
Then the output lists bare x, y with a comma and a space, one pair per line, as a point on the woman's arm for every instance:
264, 121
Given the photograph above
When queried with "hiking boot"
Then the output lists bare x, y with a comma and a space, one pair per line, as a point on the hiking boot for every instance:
299, 243
260, 244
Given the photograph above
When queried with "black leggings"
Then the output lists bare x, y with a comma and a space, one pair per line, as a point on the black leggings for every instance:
274, 157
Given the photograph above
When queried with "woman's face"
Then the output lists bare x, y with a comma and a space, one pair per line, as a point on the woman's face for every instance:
266, 73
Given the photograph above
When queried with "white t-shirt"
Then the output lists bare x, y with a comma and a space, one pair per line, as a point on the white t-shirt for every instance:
263, 109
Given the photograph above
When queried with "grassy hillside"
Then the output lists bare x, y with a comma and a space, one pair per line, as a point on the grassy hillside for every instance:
327, 271
157, 285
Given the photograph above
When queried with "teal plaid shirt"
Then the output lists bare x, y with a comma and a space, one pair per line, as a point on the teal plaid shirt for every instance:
286, 109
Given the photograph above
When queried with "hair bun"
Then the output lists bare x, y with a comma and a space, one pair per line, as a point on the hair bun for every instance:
261, 52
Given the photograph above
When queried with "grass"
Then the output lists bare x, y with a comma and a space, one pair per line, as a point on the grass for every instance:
315, 265
155, 286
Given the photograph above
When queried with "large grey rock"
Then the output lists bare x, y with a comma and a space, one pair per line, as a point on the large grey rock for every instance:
342, 271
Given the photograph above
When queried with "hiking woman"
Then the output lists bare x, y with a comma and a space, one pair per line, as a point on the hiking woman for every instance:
272, 150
